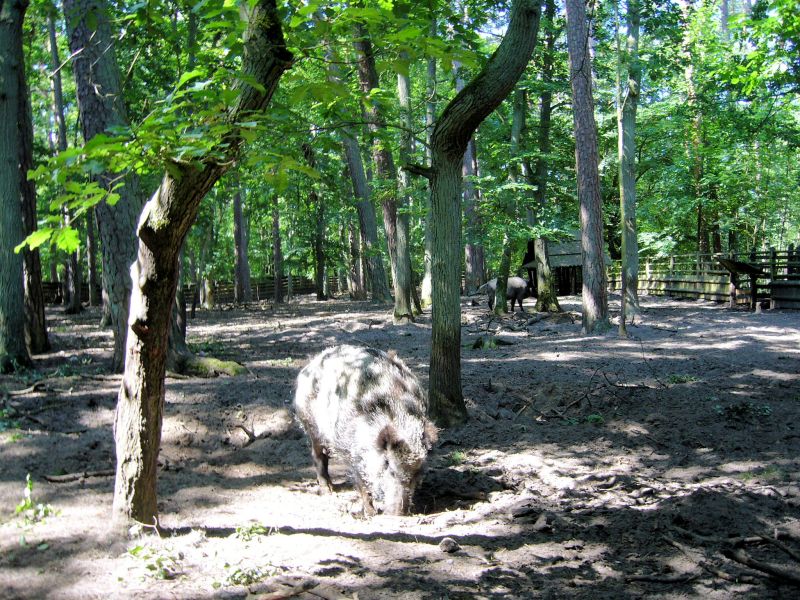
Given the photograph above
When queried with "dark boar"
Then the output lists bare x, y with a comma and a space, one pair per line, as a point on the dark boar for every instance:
517, 289
365, 407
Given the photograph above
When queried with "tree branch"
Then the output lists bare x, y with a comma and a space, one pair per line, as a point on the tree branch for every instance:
416, 169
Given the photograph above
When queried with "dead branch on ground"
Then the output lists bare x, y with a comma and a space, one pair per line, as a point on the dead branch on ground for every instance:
78, 476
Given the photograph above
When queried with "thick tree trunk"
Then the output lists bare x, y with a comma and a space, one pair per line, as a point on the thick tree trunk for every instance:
399, 251
101, 105
242, 290
13, 351
546, 296
449, 142
35, 325
627, 165
594, 294
165, 221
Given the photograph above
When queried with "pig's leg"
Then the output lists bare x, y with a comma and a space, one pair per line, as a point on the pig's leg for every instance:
366, 497
320, 459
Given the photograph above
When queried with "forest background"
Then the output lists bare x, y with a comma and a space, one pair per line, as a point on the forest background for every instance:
178, 110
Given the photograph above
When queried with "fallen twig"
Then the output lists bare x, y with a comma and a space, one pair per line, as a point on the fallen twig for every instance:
251, 434
717, 572
629, 386
23, 415
674, 578
78, 476
38, 386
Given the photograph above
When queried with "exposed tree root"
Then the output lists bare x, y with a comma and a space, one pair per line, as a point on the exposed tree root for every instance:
731, 548
777, 571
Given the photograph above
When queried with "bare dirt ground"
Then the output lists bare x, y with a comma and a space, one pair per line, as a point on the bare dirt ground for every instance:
591, 467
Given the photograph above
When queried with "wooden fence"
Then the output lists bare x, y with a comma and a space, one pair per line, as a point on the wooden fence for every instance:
702, 276
263, 289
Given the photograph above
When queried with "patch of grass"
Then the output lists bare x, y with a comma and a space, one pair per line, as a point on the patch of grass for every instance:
281, 362
743, 411
676, 378
249, 575
595, 419
157, 563
207, 347
456, 457
72, 367
489, 343
7, 421
30, 511
247, 533
770, 473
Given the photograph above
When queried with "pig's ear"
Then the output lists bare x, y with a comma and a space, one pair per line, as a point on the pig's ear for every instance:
429, 435
387, 438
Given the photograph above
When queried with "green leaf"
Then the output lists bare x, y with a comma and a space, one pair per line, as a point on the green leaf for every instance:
188, 77
67, 239
35, 239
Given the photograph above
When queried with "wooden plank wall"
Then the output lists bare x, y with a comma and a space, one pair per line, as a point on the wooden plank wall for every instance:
701, 276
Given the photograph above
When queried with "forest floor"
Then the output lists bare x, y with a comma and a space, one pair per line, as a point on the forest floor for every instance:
664, 465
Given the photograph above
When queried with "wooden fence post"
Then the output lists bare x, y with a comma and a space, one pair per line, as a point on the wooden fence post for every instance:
773, 263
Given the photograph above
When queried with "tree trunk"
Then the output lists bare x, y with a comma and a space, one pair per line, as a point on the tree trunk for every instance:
594, 294
72, 268
318, 207
397, 240
13, 351
35, 325
430, 118
277, 254
101, 106
404, 284
516, 175
366, 217
474, 264
371, 256
546, 296
627, 163
242, 290
165, 221
355, 283
91, 260
449, 142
